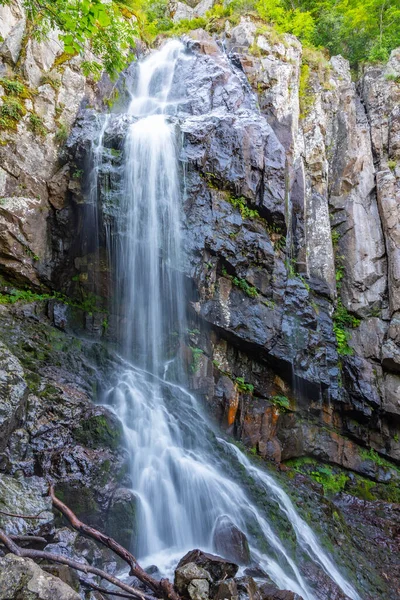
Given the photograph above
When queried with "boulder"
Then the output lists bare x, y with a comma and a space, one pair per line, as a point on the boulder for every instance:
25, 496
217, 567
230, 542
23, 579
227, 590
192, 581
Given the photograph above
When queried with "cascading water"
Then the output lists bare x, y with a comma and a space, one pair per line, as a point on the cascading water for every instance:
184, 477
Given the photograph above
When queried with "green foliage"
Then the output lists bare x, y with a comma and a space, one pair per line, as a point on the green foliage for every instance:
16, 295
107, 26
247, 388
245, 287
245, 211
358, 29
287, 19
335, 239
281, 402
12, 87
196, 359
49, 79
332, 480
392, 164
241, 283
36, 125
11, 111
61, 133
342, 321
372, 455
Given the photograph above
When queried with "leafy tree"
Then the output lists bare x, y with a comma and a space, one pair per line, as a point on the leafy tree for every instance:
287, 19
106, 25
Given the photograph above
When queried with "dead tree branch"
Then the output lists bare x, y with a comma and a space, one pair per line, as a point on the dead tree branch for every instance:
40, 554
162, 589
97, 588
31, 517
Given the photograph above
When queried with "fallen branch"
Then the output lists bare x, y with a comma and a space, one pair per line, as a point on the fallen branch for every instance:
31, 517
40, 554
97, 588
37, 539
163, 589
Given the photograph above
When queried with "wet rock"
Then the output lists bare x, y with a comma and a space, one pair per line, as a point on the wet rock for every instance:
248, 588
13, 394
24, 579
270, 592
391, 401
25, 496
230, 542
227, 590
218, 568
121, 517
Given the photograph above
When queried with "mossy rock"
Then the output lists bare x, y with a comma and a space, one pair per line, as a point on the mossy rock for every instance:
80, 500
122, 517
99, 431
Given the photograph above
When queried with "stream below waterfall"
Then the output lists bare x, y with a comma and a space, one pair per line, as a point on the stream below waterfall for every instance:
185, 478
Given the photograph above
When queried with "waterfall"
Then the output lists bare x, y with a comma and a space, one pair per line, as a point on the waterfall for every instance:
186, 480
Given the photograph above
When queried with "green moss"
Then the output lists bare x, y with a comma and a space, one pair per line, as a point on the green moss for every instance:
36, 125
122, 521
342, 321
196, 359
11, 112
52, 80
80, 500
305, 95
97, 432
61, 133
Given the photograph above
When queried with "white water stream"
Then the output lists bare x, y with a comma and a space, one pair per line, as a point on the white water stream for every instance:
184, 478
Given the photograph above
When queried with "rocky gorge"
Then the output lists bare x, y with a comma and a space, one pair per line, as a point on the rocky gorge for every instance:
291, 184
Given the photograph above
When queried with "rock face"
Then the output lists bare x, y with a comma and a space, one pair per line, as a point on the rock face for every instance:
292, 239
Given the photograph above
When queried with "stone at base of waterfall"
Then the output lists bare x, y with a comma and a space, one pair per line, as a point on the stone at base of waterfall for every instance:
23, 579
230, 541
192, 581
227, 590
248, 588
217, 567
270, 592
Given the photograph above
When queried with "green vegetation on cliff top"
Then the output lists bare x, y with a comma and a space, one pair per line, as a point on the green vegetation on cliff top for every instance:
360, 30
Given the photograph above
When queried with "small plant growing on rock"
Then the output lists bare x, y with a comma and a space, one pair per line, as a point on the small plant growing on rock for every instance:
335, 238
196, 358
36, 125
51, 80
248, 388
62, 133
10, 113
281, 402
245, 287
12, 87
393, 77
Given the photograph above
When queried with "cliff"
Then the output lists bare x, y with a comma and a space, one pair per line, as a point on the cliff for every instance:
292, 234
